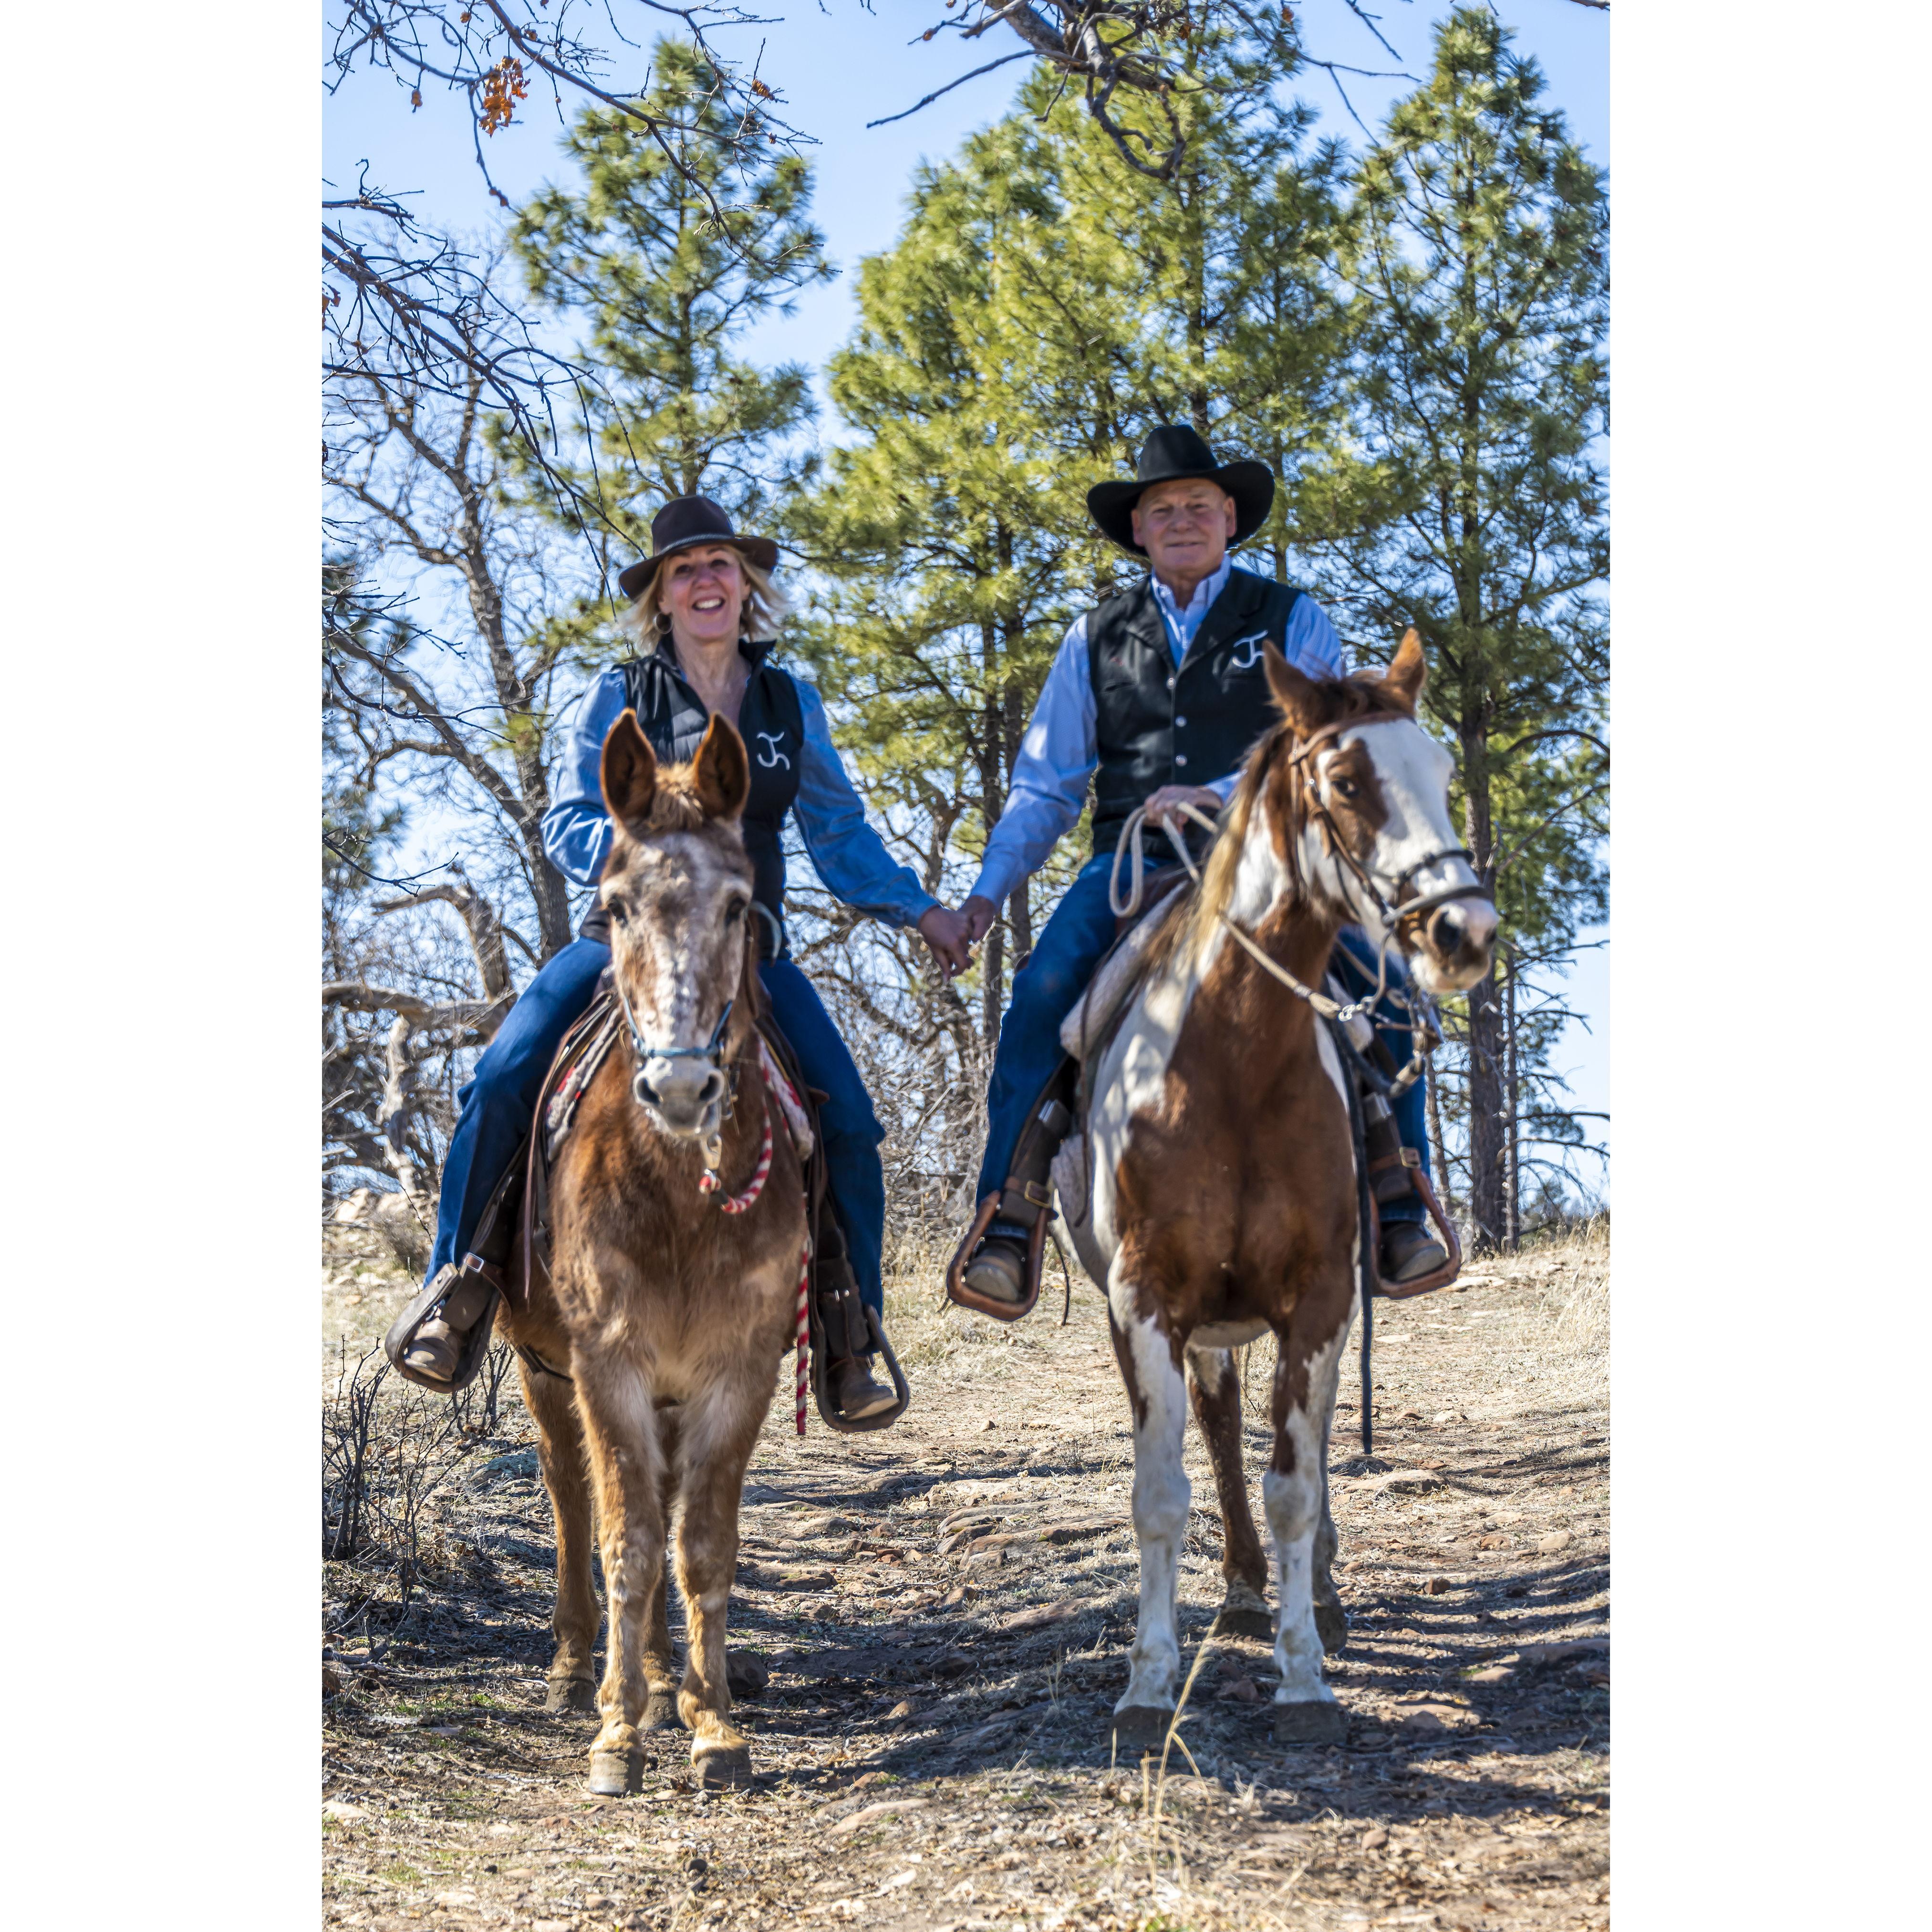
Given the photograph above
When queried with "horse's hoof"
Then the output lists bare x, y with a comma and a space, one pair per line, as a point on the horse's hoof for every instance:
1331, 1626
660, 1712
570, 1694
1243, 1620
616, 1773
1141, 1727
1313, 1722
720, 1770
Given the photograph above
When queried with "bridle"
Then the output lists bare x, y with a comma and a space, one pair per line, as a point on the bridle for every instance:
643, 1051
1427, 1034
1403, 907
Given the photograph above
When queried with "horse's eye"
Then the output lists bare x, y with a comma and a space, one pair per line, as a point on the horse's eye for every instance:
1346, 787
617, 910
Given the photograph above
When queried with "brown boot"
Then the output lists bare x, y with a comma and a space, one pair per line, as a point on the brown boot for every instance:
997, 1269
1409, 1252
435, 1352
857, 1392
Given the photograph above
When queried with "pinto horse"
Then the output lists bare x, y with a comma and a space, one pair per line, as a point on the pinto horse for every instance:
648, 1357
1223, 1196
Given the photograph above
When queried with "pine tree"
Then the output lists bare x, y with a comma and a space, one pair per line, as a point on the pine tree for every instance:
1041, 310
661, 292
1473, 505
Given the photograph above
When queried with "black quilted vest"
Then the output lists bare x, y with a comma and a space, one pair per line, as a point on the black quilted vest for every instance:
771, 720
1156, 725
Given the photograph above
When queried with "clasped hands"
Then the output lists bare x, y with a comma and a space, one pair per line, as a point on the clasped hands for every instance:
951, 936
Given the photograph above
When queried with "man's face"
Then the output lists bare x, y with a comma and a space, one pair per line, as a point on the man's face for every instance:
1185, 527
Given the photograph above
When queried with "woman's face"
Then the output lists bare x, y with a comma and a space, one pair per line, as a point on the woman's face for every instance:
703, 590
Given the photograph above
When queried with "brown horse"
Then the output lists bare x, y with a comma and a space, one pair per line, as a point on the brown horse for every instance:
1224, 1197
663, 1316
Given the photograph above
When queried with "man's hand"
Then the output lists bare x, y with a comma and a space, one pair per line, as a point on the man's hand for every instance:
979, 912
1159, 804
950, 936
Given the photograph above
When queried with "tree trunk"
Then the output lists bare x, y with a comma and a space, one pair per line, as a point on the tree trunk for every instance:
1438, 1155
992, 984
1485, 1114
1513, 1198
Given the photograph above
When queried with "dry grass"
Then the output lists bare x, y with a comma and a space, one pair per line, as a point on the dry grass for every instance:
929, 1759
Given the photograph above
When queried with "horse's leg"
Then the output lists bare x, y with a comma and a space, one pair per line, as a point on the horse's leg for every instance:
573, 1672
1331, 1621
660, 1657
1162, 1495
1306, 1710
719, 1430
1216, 1390
620, 1430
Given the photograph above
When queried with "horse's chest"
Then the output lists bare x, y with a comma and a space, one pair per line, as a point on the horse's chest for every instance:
1235, 1177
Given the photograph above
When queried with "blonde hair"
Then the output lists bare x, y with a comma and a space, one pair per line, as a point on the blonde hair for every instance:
648, 623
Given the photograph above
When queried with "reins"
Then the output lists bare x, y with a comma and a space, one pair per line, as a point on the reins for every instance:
1427, 1035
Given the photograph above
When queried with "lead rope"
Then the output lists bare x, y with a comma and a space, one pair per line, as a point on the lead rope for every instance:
804, 1376
708, 1183
1365, 1265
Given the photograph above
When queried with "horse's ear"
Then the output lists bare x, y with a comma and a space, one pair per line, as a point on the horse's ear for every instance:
1293, 693
628, 772
1405, 678
724, 771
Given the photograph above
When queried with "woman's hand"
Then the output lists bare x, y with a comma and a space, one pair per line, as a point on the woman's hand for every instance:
950, 937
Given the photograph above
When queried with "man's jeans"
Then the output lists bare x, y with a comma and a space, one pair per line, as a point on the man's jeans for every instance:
1056, 972
498, 1105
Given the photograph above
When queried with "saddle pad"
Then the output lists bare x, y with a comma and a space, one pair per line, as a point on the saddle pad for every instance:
592, 1038
1086, 1029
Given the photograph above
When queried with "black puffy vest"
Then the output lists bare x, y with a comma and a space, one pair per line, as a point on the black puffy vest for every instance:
1156, 725
771, 720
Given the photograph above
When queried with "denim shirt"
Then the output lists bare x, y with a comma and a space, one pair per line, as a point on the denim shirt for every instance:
845, 851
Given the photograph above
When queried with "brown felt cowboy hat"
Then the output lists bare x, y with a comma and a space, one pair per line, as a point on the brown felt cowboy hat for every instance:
682, 523
1174, 451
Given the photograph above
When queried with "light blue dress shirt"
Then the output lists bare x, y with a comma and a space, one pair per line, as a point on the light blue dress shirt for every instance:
847, 853
1058, 754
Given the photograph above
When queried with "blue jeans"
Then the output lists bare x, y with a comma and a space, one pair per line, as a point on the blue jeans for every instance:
1045, 987
498, 1105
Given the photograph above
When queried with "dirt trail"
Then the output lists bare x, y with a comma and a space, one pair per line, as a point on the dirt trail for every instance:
944, 1611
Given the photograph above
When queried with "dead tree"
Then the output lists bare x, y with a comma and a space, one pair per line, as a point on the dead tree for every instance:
416, 479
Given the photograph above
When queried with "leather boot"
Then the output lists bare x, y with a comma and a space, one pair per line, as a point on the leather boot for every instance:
857, 1392
1409, 1252
436, 1348
998, 1268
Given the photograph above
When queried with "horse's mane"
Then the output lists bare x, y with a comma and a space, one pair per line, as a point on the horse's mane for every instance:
675, 804
1197, 913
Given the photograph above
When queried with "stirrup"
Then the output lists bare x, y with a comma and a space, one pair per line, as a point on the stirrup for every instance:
821, 1377
427, 1300
1445, 1229
956, 1289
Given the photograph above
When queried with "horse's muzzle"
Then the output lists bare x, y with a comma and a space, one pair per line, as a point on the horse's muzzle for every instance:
688, 1098
1456, 944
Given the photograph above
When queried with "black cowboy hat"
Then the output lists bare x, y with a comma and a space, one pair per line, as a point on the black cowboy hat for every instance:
1172, 452
682, 522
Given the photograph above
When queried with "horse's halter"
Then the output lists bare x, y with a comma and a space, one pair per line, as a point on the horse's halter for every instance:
1403, 908
1427, 1033
642, 1051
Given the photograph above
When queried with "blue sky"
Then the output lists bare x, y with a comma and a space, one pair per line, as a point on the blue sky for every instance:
839, 64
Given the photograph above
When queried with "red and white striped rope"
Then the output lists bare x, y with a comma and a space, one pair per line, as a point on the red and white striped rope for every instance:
708, 1181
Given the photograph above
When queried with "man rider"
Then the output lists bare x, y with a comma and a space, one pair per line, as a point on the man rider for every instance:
1157, 696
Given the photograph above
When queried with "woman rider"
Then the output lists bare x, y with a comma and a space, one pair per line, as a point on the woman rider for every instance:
703, 611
